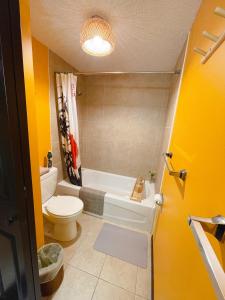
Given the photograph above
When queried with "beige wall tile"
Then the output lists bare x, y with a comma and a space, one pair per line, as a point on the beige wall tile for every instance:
123, 118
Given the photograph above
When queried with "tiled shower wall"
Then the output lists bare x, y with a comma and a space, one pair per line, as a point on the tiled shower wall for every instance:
122, 122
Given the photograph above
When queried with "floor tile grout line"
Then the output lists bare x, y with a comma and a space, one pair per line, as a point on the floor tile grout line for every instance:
98, 277
115, 285
88, 274
124, 261
69, 263
94, 289
83, 271
149, 268
102, 266
109, 282
136, 281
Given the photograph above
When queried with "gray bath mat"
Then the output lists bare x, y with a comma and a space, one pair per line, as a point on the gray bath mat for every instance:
125, 244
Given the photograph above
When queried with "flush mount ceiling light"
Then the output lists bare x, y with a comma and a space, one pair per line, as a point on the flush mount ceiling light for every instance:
96, 37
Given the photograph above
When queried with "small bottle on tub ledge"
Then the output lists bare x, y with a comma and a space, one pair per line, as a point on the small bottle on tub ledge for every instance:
49, 157
152, 176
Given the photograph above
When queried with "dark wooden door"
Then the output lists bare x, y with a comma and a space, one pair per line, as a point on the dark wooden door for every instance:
18, 261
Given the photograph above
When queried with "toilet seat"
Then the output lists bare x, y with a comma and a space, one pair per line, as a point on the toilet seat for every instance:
64, 206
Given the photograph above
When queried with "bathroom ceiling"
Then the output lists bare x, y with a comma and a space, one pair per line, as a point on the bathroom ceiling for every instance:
149, 33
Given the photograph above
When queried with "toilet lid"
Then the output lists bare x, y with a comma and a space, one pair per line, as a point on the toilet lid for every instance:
64, 206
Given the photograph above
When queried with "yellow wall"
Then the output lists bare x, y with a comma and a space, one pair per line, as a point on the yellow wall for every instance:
198, 144
31, 114
41, 83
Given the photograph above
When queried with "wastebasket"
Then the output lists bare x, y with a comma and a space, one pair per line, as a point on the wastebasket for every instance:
50, 264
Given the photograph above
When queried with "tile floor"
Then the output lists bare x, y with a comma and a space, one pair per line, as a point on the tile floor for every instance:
92, 275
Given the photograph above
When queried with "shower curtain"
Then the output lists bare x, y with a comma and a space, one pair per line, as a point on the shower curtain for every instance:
68, 125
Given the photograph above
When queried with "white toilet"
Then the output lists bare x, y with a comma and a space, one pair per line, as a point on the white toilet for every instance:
60, 211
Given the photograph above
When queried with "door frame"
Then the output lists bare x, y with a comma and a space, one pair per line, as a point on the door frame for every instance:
30, 250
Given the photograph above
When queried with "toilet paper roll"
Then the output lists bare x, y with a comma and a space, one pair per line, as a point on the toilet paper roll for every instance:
158, 199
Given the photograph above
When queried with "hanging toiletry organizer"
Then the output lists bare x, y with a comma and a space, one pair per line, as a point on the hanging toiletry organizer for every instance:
218, 40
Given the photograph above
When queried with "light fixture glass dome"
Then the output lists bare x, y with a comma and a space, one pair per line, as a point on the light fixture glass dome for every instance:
96, 37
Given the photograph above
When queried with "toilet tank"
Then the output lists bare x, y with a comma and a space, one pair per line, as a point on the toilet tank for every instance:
48, 184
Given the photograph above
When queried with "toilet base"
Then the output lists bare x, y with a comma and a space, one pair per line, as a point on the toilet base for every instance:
63, 232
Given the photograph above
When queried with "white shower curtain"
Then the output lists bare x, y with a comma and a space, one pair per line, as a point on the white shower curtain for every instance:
68, 124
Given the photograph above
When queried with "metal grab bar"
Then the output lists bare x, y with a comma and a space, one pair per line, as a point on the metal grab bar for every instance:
213, 265
180, 174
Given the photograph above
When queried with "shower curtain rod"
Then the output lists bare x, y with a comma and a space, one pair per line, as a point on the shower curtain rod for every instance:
79, 93
117, 72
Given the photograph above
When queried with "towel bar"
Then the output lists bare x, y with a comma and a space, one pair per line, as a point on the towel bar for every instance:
213, 265
180, 174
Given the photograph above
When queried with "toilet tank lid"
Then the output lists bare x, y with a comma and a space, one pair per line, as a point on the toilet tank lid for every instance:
64, 206
49, 173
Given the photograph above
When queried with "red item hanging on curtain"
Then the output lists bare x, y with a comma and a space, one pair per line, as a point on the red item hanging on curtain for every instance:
74, 150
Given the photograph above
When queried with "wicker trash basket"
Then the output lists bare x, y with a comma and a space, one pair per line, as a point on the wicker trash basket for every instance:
50, 264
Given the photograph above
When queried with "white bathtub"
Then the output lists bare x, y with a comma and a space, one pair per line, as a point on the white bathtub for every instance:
118, 208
